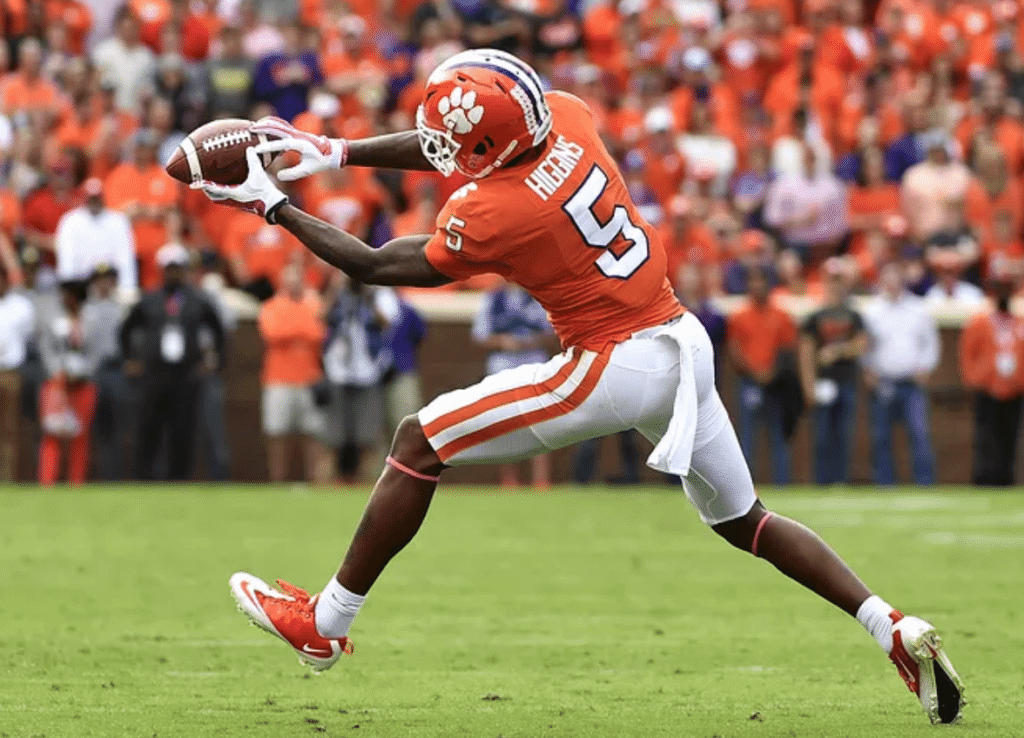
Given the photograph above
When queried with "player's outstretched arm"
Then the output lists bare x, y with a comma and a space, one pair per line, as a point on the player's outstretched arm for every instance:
390, 151
319, 153
399, 263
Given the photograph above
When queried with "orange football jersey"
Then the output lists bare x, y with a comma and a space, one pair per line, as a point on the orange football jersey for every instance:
564, 228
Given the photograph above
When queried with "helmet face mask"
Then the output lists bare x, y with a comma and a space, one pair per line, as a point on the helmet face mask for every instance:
480, 108
439, 146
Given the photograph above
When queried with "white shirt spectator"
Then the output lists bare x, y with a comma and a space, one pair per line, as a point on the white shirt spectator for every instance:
962, 293
807, 210
130, 68
788, 153
904, 337
17, 325
83, 241
705, 13
711, 155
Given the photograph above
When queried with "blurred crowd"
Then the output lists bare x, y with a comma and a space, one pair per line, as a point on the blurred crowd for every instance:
785, 149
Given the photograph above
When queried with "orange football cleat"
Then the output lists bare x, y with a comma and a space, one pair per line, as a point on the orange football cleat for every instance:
289, 615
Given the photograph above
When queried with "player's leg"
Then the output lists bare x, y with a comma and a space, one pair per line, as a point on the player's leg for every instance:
317, 627
718, 476
490, 421
720, 487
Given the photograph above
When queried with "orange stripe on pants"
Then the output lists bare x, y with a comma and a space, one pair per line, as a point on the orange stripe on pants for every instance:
504, 397
562, 407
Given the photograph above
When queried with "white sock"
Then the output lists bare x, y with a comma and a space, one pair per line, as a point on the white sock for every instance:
873, 614
336, 609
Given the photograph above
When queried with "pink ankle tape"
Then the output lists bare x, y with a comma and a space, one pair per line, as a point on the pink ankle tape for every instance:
393, 462
757, 532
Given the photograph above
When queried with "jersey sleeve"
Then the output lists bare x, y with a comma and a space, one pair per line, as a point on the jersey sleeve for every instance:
464, 244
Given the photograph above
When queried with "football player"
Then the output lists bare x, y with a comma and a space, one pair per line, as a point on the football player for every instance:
546, 208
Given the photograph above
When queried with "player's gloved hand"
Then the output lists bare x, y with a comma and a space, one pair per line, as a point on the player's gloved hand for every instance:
257, 194
319, 153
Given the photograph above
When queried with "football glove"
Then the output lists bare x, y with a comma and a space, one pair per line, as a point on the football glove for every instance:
257, 194
319, 153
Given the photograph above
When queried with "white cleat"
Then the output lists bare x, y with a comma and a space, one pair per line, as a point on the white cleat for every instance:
924, 666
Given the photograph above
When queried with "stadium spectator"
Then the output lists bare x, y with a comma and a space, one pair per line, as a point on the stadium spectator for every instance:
182, 25
992, 366
949, 287
28, 96
663, 162
515, 331
872, 201
935, 191
903, 351
16, 328
91, 235
832, 340
909, 149
103, 309
125, 61
992, 123
70, 344
1001, 249
257, 253
229, 77
808, 208
687, 240
167, 123
794, 279
692, 287
403, 394
753, 250
212, 434
293, 333
283, 79
706, 150
993, 189
355, 362
750, 187
141, 189
759, 333
40, 287
160, 342
43, 208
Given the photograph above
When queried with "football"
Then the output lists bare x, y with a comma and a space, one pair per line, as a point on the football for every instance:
216, 152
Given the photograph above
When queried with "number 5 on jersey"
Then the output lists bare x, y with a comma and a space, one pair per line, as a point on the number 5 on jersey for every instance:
453, 239
580, 208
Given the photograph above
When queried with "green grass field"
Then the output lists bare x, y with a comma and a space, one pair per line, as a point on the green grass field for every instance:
591, 614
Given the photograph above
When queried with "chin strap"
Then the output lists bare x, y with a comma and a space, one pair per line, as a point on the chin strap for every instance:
396, 464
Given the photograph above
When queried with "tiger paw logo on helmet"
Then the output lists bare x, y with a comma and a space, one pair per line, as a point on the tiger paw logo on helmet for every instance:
460, 110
